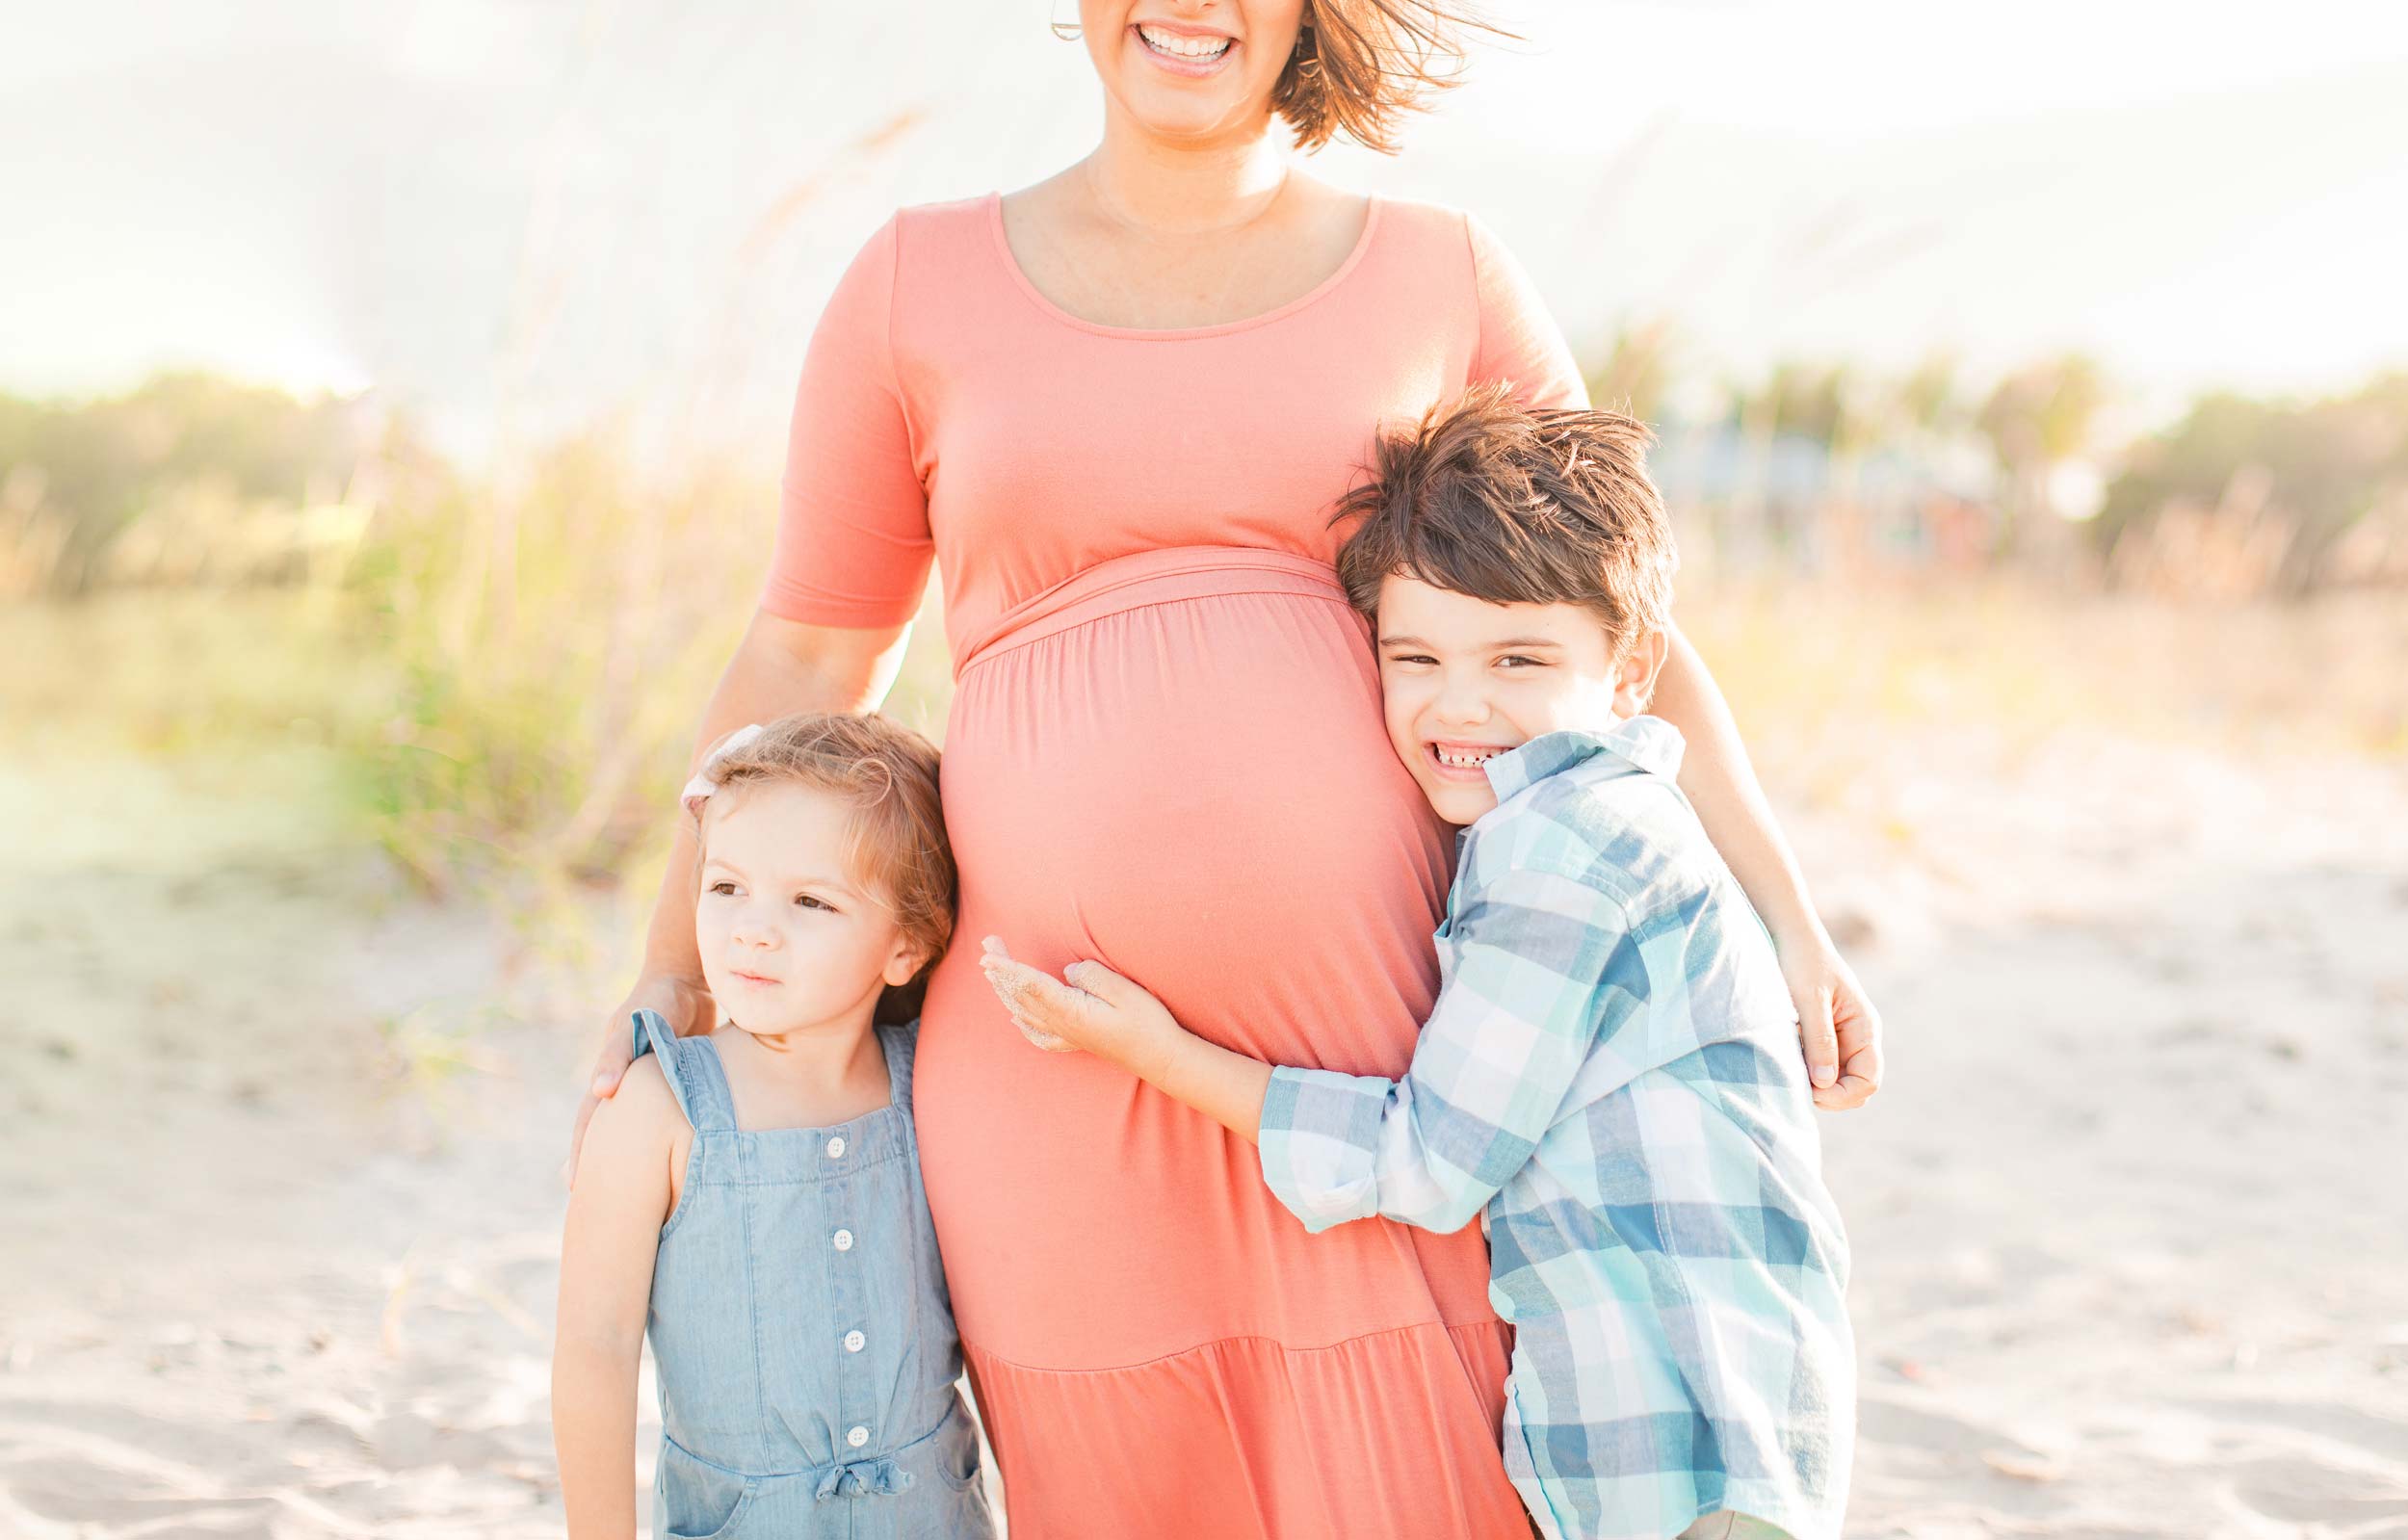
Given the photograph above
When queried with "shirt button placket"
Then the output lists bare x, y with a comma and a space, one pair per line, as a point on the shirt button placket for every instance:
852, 1391
855, 1341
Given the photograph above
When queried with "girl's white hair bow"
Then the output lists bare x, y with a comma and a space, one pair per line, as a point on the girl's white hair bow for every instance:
706, 779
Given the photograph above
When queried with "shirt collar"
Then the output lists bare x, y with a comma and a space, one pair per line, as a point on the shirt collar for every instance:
1641, 744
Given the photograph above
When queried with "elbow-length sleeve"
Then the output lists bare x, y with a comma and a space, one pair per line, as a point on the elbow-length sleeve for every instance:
1519, 340
853, 547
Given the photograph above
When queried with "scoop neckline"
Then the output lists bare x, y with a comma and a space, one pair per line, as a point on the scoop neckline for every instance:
1373, 202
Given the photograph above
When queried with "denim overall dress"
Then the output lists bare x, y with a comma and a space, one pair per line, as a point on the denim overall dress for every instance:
801, 1334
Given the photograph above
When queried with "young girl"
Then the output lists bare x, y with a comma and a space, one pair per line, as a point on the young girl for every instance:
752, 1194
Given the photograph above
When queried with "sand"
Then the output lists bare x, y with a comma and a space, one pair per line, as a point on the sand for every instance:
2130, 1238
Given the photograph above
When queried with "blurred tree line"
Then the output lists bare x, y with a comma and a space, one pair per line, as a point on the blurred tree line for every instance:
1830, 465
2314, 495
187, 476
191, 480
522, 650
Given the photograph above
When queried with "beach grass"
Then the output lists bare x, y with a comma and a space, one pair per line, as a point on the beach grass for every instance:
534, 746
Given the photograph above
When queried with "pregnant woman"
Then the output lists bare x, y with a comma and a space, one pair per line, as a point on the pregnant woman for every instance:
1117, 407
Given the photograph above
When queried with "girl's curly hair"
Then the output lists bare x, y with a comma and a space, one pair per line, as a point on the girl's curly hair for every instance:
895, 846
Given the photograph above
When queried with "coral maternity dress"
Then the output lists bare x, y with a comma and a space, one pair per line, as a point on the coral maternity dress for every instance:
1166, 752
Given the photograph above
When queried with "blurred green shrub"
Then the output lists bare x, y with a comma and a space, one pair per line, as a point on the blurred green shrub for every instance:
554, 634
2288, 496
204, 454
521, 657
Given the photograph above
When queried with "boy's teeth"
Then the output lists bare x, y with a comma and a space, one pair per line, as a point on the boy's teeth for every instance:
1461, 761
1185, 47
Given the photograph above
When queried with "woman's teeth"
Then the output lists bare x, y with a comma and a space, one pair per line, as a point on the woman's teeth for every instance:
1164, 42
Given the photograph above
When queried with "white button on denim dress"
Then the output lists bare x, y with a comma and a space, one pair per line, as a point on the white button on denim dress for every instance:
801, 1329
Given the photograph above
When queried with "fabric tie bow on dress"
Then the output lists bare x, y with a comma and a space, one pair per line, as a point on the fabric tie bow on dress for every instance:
864, 1479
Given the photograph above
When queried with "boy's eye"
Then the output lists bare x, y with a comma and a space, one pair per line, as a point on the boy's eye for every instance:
1517, 660
1411, 658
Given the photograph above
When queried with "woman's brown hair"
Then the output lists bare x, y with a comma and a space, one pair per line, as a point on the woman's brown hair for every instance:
1360, 66
896, 845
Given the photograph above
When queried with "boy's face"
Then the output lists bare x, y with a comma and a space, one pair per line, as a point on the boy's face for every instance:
789, 940
1463, 680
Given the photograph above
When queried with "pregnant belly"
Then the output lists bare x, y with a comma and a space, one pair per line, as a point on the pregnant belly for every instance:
1185, 778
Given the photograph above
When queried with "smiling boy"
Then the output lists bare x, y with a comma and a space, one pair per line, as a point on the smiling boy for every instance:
1610, 1075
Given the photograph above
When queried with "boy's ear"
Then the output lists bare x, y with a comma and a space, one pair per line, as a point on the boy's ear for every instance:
1635, 689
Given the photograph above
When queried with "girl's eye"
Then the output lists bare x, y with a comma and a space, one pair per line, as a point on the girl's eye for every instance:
805, 900
722, 886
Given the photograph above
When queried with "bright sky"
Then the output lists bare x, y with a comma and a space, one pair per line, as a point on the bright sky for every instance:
525, 212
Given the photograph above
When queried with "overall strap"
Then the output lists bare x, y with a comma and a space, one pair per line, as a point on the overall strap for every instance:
901, 1044
692, 1068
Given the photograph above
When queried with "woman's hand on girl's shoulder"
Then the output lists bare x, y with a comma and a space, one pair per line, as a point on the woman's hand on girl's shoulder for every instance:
635, 1130
683, 1003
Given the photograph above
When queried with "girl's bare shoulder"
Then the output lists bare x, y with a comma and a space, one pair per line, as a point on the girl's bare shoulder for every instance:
644, 1111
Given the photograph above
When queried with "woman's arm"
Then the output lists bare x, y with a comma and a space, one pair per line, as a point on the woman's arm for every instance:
1841, 1031
607, 1251
779, 667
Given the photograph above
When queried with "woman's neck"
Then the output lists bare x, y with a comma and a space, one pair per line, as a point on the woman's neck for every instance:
1152, 186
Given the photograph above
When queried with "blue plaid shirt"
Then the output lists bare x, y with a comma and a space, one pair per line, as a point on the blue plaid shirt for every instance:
1611, 1072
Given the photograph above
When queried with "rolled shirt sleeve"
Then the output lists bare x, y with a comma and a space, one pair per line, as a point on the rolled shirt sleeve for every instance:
1542, 975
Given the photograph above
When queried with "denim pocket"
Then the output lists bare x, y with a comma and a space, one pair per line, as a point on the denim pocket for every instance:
960, 1464
959, 1460
700, 1500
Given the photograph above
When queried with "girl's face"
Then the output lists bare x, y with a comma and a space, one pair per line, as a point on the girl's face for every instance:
791, 941
1187, 70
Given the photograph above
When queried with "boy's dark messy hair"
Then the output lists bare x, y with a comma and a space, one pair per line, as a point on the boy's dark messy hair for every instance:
1514, 506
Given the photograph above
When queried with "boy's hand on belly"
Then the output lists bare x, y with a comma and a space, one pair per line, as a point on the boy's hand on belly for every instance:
1092, 1009
1089, 1009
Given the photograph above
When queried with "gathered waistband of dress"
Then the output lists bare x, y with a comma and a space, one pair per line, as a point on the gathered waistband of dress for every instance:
877, 1475
1163, 576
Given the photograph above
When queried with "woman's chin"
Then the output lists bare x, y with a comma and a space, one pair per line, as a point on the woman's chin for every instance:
1170, 108
1188, 122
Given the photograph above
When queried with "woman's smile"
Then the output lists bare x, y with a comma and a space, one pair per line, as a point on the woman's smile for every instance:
1188, 51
